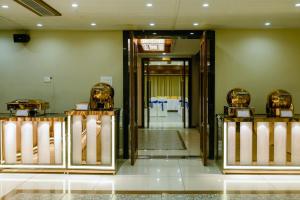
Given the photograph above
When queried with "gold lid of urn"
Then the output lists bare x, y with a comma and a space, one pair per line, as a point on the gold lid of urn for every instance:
277, 101
238, 97
101, 97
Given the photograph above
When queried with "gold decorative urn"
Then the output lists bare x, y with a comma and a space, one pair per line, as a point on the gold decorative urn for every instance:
238, 101
102, 97
280, 104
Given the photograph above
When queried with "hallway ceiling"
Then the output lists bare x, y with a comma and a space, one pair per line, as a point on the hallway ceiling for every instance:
165, 14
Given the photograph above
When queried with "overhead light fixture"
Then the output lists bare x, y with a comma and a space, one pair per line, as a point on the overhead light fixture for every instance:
153, 44
149, 4
39, 25
205, 5
93, 24
297, 5
75, 5
192, 33
151, 24
195, 24
164, 53
154, 33
4, 6
268, 24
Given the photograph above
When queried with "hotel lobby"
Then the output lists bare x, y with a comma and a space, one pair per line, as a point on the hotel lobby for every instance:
149, 99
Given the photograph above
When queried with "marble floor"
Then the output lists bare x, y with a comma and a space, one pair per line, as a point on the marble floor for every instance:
152, 179
173, 120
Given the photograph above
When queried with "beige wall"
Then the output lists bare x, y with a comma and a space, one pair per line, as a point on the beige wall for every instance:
259, 61
75, 60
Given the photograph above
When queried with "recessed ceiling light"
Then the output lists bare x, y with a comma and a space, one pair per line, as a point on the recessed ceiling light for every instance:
205, 5
149, 4
4, 6
93, 24
151, 24
195, 24
297, 5
268, 24
154, 33
192, 33
75, 5
39, 25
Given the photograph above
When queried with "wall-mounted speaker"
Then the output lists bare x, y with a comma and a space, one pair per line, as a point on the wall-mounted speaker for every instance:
21, 38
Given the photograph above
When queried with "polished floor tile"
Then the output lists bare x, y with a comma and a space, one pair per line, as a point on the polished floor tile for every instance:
164, 196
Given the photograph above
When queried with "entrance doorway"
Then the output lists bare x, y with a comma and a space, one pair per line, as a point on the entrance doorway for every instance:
145, 101
165, 92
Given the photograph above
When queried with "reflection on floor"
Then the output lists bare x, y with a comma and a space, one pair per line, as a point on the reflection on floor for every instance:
158, 177
167, 143
173, 120
31, 195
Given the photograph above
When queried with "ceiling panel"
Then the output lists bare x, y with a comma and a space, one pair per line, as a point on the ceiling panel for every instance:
166, 14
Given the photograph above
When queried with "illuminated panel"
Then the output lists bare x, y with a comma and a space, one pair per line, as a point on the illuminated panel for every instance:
263, 134
91, 145
44, 142
246, 143
280, 131
106, 140
10, 142
27, 142
58, 142
231, 143
76, 139
295, 143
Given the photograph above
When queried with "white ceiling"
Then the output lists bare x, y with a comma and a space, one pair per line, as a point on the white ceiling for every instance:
166, 14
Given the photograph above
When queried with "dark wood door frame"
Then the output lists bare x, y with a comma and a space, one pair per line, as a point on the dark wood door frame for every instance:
184, 34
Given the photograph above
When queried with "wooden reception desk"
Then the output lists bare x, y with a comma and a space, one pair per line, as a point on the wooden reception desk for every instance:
77, 142
260, 144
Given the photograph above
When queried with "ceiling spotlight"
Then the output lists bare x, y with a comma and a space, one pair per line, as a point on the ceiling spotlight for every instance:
149, 4
39, 25
195, 24
75, 5
205, 5
268, 24
192, 33
297, 5
152, 24
93, 24
154, 33
4, 6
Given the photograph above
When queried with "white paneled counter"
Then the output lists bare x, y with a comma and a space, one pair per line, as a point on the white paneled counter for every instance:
259, 144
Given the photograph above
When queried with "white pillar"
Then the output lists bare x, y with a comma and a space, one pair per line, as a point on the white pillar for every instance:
263, 143
91, 144
106, 140
10, 142
27, 142
58, 142
280, 135
295, 143
76, 139
246, 143
231, 143
44, 142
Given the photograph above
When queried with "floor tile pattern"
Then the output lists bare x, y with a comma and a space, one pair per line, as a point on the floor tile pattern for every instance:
163, 196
